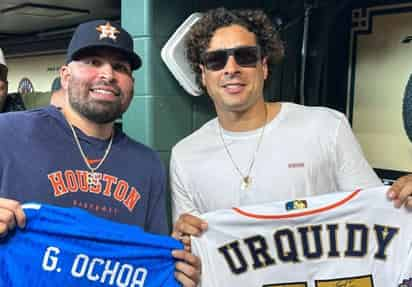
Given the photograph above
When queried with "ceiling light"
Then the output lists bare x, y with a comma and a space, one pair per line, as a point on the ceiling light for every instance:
42, 10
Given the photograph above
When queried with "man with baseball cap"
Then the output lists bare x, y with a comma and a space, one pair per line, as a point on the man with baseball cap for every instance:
12, 102
77, 157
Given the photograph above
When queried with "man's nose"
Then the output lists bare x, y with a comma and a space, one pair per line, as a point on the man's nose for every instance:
231, 66
106, 71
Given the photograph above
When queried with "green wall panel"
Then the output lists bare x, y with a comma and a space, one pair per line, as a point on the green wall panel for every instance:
135, 121
168, 15
136, 17
158, 122
142, 76
203, 110
154, 17
172, 121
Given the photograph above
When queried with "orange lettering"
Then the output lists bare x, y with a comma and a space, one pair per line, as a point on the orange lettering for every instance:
110, 180
132, 198
82, 180
121, 190
57, 182
71, 180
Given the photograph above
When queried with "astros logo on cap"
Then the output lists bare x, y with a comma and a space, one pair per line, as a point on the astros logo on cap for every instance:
107, 31
100, 33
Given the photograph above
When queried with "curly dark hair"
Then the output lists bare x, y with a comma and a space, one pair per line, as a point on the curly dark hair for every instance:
255, 21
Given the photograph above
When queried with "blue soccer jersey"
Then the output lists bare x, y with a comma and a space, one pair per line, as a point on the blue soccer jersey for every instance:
71, 247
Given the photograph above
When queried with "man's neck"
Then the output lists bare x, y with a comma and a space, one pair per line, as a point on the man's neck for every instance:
89, 128
251, 119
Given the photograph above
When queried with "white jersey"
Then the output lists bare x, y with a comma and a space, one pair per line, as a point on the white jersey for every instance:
304, 151
351, 239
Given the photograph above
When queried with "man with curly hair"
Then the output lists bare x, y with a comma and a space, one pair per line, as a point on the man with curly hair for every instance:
256, 152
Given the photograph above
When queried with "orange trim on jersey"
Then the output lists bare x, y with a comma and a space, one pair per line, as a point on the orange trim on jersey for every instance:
299, 214
93, 161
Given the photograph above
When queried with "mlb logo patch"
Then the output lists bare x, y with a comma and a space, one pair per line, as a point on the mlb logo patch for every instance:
296, 204
406, 283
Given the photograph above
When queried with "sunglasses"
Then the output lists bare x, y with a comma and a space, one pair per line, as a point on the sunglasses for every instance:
245, 56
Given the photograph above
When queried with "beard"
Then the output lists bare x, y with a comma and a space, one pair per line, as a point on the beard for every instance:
100, 112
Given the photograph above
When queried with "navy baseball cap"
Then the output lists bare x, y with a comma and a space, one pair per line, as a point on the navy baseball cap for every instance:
102, 33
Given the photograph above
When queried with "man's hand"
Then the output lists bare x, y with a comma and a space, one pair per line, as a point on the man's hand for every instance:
401, 191
187, 268
11, 213
188, 225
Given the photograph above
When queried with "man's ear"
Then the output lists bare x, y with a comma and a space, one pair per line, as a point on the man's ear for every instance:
202, 69
265, 67
65, 74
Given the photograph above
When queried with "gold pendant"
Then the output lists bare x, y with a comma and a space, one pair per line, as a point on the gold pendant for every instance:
92, 178
246, 182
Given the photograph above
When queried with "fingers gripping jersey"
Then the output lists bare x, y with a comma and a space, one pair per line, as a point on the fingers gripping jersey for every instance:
70, 247
340, 239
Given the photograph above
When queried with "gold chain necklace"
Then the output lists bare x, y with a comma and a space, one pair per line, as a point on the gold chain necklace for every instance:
92, 176
246, 178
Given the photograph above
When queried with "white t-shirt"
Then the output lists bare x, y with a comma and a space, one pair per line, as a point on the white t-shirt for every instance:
304, 151
340, 239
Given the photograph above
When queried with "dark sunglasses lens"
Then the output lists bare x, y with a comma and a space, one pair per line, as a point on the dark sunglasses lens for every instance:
247, 56
215, 60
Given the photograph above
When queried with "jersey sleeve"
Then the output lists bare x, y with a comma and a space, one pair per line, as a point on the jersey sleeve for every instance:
181, 198
352, 169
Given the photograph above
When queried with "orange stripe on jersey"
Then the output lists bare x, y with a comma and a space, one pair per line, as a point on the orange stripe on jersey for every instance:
93, 161
299, 214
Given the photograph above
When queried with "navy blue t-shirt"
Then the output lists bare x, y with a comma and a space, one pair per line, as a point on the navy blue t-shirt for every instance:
71, 247
40, 161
